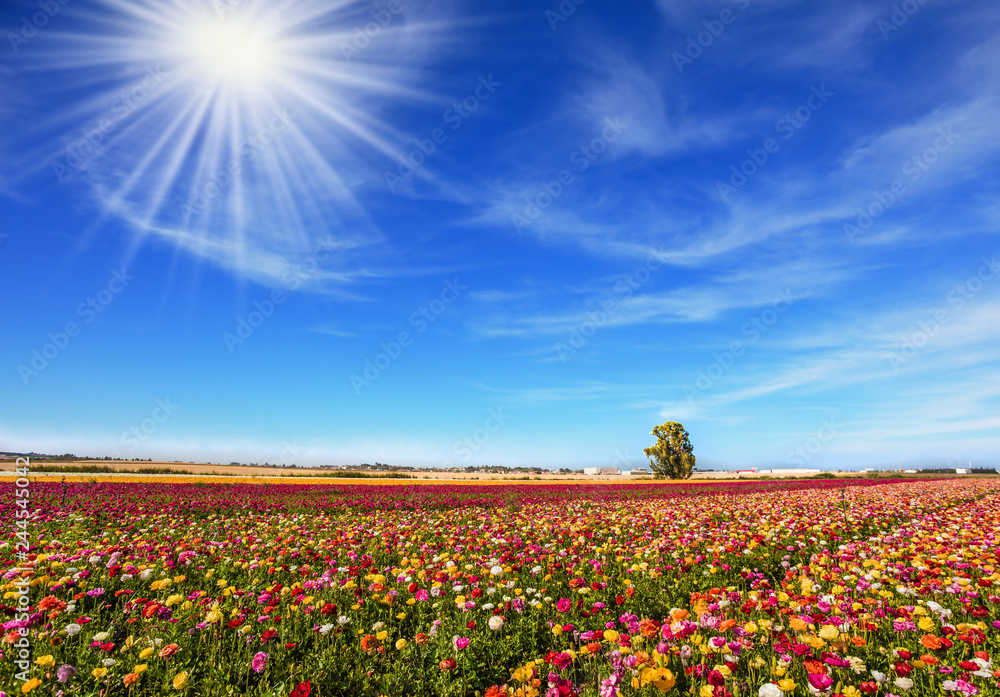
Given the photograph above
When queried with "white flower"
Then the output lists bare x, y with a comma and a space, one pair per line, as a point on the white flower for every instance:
377, 626
108, 662
126, 577
770, 690
94, 559
496, 570
488, 606
73, 629
146, 574
495, 622
879, 677
325, 629
343, 619
491, 590
903, 683
101, 636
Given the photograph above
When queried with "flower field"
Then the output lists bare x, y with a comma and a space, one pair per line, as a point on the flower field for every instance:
827, 587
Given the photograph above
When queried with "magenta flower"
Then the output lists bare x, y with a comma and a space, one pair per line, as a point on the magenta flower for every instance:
461, 643
564, 604
259, 662
422, 595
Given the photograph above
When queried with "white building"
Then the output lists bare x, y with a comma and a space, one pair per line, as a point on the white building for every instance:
602, 470
637, 472
787, 472
961, 471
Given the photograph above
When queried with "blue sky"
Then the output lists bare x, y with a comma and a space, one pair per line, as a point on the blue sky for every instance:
431, 233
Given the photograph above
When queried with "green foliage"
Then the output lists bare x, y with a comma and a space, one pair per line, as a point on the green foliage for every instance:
671, 457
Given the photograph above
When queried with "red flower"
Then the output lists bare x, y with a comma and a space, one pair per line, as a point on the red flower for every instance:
447, 664
301, 689
232, 624
267, 636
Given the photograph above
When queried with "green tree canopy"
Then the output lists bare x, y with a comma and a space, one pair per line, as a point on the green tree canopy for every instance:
671, 456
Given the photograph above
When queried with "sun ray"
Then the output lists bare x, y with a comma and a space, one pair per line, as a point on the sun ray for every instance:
237, 153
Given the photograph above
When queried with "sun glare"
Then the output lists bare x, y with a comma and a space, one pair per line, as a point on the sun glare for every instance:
233, 52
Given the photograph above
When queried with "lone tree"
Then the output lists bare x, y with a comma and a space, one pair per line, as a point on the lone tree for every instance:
671, 456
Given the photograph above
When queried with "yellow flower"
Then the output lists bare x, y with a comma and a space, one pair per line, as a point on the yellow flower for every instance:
214, 615
557, 630
706, 691
31, 685
750, 628
174, 599
829, 632
45, 661
180, 681
145, 653
139, 668
926, 624
401, 616
610, 635
786, 685
401, 644
99, 672
851, 691
382, 635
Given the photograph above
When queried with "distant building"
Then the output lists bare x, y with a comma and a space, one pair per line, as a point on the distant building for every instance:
787, 472
602, 470
637, 472
961, 471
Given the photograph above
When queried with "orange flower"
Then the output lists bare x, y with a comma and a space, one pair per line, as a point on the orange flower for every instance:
648, 628
594, 647
813, 666
496, 691
928, 659
930, 641
421, 639
858, 641
50, 602
169, 650
368, 643
726, 624
130, 679
447, 664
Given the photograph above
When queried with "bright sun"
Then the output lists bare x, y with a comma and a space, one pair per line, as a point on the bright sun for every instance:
233, 52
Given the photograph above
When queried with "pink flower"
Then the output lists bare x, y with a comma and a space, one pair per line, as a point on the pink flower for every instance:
259, 662
820, 681
461, 642
422, 595
564, 604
